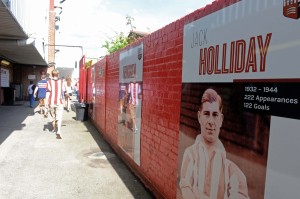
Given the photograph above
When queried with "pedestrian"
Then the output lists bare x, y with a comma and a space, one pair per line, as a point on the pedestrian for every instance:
55, 90
30, 91
206, 173
40, 93
68, 94
76, 89
63, 95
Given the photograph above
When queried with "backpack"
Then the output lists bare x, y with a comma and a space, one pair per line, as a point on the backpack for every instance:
33, 87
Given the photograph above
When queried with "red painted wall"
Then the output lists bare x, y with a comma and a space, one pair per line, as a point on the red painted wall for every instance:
82, 80
99, 107
162, 82
112, 96
89, 80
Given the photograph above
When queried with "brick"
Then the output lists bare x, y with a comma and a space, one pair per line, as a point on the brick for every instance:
162, 76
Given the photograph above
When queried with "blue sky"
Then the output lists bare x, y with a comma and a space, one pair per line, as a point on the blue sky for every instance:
89, 23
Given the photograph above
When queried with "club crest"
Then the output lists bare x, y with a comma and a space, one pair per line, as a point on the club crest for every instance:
291, 9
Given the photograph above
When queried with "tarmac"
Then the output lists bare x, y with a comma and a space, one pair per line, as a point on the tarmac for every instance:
81, 165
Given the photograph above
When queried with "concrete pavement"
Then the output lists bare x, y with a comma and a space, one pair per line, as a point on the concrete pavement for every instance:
34, 164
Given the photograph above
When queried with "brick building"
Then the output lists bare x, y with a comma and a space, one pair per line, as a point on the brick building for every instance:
27, 38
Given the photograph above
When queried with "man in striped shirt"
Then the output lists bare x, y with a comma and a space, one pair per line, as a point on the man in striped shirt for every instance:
55, 89
206, 173
134, 89
40, 92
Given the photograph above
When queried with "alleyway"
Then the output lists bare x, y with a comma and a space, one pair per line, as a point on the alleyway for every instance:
34, 164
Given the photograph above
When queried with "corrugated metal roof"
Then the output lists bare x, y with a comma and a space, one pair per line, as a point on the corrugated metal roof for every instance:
11, 47
10, 28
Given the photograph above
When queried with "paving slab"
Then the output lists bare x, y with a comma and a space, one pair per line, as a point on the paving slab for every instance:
34, 164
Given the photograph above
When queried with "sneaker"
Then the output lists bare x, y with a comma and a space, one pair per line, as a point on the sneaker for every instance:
135, 130
58, 136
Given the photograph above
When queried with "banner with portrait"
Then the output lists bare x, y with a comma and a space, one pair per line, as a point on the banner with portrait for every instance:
130, 101
240, 104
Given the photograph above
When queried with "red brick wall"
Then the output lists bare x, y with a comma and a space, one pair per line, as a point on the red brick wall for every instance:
162, 83
112, 95
82, 80
25, 71
18, 74
89, 81
51, 36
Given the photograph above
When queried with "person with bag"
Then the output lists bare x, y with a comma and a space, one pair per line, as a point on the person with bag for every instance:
68, 93
30, 91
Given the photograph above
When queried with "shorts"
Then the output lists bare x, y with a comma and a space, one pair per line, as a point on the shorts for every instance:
56, 112
42, 101
132, 111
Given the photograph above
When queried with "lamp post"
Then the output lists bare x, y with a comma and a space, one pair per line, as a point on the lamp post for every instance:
52, 65
68, 46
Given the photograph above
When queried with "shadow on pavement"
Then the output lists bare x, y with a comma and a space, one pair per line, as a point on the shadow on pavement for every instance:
97, 154
12, 118
117, 163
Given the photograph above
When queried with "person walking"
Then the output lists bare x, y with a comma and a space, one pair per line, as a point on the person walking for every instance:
68, 93
30, 91
40, 93
76, 88
55, 90
63, 79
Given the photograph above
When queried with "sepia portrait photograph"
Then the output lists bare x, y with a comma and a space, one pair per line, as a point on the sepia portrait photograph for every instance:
222, 149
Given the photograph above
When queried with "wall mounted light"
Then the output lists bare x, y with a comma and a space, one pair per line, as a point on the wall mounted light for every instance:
51, 64
5, 63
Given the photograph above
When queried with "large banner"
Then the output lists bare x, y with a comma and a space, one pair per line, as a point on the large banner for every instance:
239, 123
130, 101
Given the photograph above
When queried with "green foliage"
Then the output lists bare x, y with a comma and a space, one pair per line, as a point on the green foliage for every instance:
119, 41
116, 43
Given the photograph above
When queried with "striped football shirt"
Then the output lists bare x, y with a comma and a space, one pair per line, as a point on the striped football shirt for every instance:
56, 87
134, 89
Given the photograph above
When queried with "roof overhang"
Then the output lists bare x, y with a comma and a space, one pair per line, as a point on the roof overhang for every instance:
14, 45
